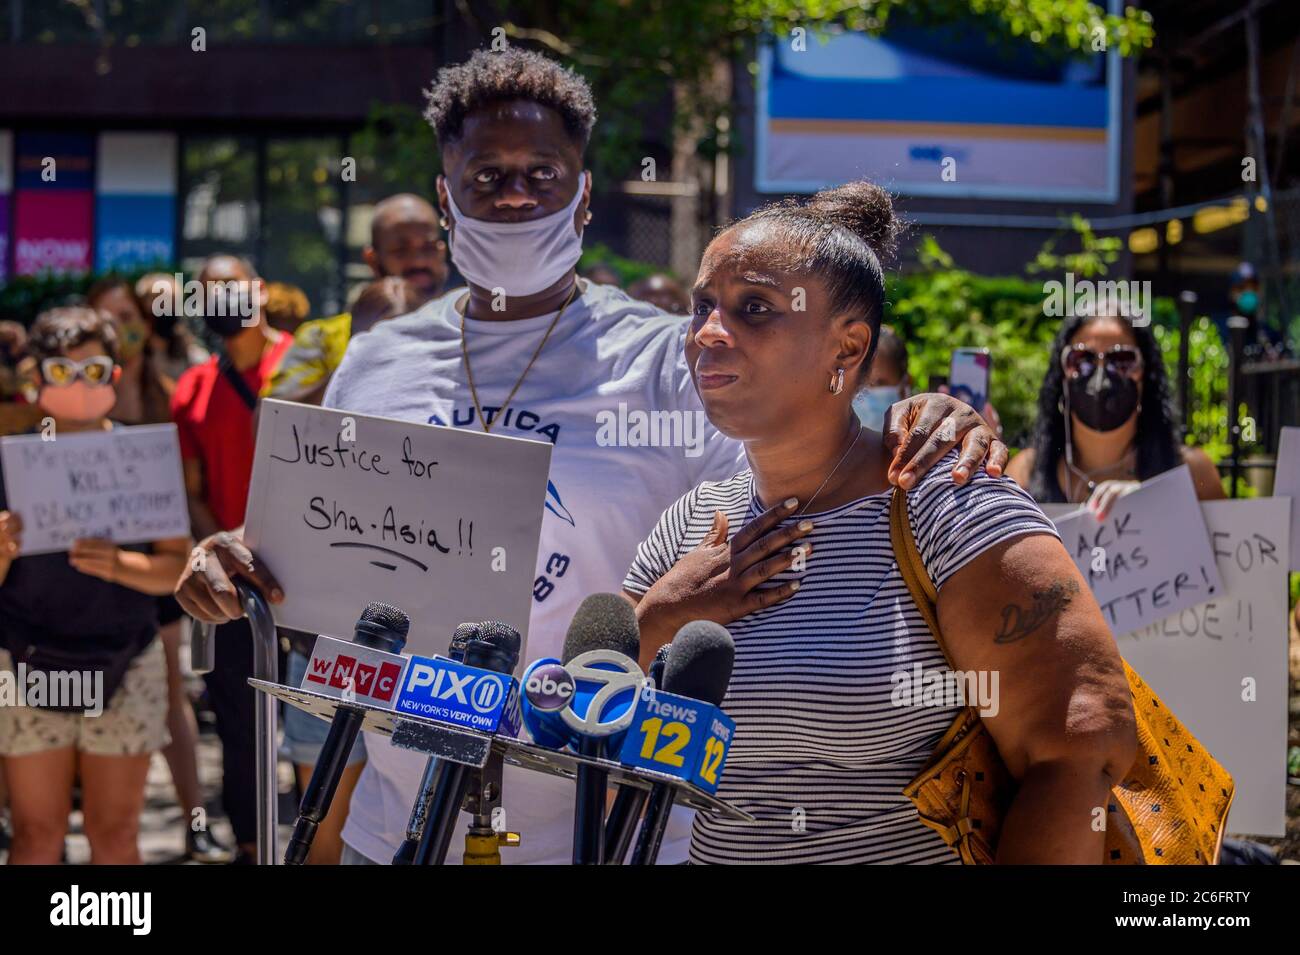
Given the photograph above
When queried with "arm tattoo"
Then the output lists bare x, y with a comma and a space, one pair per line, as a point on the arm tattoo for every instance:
1018, 622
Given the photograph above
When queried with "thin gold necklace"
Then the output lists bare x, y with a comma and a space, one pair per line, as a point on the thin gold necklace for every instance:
469, 375
842, 459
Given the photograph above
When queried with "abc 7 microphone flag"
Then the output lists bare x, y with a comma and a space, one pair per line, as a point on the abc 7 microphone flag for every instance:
643, 726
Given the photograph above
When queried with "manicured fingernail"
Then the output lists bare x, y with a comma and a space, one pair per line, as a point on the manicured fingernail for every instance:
907, 480
960, 472
794, 585
805, 526
791, 503
277, 595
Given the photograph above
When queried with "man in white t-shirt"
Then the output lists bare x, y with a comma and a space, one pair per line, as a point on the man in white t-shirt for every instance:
529, 350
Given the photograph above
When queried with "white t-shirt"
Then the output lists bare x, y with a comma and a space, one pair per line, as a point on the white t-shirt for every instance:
611, 369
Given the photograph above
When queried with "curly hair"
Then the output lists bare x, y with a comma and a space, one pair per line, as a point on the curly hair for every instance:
513, 73
59, 330
1158, 448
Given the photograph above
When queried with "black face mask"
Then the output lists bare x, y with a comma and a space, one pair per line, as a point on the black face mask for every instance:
1104, 401
226, 326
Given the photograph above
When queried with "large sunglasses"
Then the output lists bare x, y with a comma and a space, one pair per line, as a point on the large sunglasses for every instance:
64, 371
1079, 361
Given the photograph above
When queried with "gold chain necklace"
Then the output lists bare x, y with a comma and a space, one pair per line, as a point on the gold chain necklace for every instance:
844, 457
469, 375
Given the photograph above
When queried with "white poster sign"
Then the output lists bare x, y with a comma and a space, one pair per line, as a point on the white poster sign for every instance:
1222, 666
1055, 512
1286, 483
1150, 558
123, 485
346, 509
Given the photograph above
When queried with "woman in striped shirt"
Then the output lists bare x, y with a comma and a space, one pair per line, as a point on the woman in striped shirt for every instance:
794, 556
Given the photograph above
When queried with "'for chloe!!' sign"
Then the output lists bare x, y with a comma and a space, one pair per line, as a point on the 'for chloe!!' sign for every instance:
346, 509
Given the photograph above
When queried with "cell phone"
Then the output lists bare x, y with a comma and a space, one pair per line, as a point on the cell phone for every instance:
969, 374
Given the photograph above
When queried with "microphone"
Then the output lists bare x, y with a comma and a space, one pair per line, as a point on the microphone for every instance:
657, 665
405, 854
699, 668
625, 813
381, 627
600, 652
495, 648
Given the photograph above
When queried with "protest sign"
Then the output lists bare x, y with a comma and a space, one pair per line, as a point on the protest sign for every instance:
1221, 667
1055, 512
1151, 556
123, 485
1286, 483
442, 522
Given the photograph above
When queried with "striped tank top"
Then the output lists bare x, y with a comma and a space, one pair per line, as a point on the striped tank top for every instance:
822, 752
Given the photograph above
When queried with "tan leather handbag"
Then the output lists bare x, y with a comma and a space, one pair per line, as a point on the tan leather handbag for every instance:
1170, 808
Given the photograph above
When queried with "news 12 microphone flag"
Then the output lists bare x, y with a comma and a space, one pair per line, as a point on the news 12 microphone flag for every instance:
682, 737
671, 734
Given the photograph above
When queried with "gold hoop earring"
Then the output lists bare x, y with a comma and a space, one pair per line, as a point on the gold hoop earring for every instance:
837, 381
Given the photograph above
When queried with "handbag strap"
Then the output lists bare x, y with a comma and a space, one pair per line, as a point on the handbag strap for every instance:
910, 565
236, 381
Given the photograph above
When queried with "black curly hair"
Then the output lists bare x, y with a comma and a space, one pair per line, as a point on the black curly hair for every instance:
1158, 448
513, 73
841, 235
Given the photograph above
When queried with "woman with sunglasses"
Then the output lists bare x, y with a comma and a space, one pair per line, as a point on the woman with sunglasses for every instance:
793, 555
92, 609
1105, 419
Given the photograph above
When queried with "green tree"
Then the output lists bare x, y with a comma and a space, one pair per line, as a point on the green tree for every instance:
635, 51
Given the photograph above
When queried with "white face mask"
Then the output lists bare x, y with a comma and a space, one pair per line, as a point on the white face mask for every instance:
872, 403
521, 257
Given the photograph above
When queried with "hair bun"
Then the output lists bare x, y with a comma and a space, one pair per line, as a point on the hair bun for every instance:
866, 210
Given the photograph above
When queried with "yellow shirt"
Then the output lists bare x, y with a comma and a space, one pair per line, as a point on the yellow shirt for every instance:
317, 350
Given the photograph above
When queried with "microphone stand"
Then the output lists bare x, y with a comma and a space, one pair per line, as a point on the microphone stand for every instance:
482, 841
589, 808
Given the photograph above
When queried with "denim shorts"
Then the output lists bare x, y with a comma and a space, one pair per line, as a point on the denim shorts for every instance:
304, 734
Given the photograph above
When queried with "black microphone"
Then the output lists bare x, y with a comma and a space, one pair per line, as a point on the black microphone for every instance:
495, 648
602, 622
405, 854
381, 627
698, 668
625, 813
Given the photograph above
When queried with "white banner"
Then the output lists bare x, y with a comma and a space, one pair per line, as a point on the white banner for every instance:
442, 522
1286, 483
1150, 558
1221, 667
123, 485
